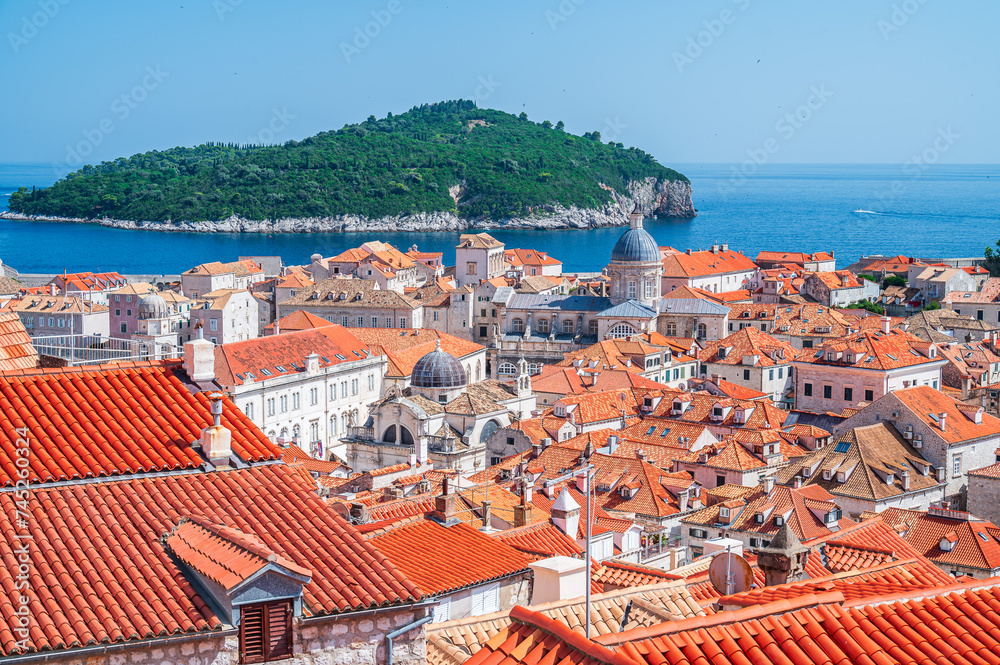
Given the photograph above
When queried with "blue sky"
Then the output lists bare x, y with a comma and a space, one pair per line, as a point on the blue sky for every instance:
863, 80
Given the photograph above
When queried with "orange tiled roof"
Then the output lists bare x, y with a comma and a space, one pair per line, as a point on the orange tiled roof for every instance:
404, 347
695, 264
16, 350
798, 258
540, 541
285, 354
295, 456
299, 320
976, 546
960, 423
839, 279
567, 380
991, 471
97, 548
441, 559
530, 257
872, 350
749, 342
622, 574
85, 423
224, 554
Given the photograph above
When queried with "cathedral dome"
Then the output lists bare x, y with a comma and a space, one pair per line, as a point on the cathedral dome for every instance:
438, 369
153, 307
636, 245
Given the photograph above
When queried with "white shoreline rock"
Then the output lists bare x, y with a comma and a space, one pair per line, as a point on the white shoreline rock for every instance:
665, 199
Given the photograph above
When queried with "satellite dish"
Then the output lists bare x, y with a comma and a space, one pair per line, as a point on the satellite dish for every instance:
730, 573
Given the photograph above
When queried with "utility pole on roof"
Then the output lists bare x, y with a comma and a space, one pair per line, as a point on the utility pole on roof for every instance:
588, 472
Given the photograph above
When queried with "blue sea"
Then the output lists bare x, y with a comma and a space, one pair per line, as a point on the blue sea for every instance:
944, 211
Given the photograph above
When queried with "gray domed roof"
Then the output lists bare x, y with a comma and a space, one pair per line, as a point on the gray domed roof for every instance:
153, 307
438, 369
636, 245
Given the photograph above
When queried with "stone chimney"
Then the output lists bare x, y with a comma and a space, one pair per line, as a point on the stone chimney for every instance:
522, 511
444, 505
199, 359
886, 323
566, 514
640, 454
216, 440
277, 326
904, 478
784, 559
359, 513
312, 363
768, 485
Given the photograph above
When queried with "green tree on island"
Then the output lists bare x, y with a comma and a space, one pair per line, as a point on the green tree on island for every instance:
401, 164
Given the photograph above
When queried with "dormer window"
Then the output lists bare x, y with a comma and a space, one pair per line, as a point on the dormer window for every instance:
759, 518
724, 511
779, 521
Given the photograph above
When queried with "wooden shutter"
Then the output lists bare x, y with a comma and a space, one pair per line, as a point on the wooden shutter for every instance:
279, 630
252, 634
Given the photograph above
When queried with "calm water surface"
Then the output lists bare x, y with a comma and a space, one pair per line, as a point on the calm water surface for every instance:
946, 211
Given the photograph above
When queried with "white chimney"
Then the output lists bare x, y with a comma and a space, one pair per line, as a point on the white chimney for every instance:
566, 514
941, 420
216, 440
277, 326
886, 321
904, 478
558, 578
312, 363
768, 484
199, 360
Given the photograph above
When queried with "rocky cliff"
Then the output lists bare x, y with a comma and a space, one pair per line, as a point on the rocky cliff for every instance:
655, 198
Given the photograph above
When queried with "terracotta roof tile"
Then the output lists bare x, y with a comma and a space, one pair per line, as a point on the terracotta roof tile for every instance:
441, 559
16, 350
540, 541
104, 422
100, 573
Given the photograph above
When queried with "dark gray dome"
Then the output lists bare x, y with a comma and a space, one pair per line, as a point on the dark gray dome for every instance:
636, 245
153, 307
438, 369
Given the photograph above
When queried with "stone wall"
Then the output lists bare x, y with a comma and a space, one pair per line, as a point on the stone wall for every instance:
984, 498
340, 641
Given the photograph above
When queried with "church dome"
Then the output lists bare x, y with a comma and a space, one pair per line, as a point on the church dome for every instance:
636, 245
153, 307
438, 369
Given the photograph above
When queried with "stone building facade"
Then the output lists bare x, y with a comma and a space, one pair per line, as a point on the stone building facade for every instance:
984, 493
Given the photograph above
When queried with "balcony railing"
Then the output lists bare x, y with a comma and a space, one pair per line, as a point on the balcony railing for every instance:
96, 349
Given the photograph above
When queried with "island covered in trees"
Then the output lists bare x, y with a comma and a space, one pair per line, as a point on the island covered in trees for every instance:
449, 157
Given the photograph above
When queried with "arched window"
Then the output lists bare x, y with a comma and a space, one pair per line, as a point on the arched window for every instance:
517, 325
333, 425
542, 326
479, 369
671, 330
702, 331
567, 326
296, 432
507, 368
389, 436
622, 330
489, 429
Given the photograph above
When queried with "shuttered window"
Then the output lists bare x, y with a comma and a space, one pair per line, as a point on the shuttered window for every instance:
486, 599
265, 632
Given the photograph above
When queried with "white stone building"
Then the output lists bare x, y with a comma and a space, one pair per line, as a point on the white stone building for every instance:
227, 315
306, 387
478, 256
954, 437
208, 277
862, 367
